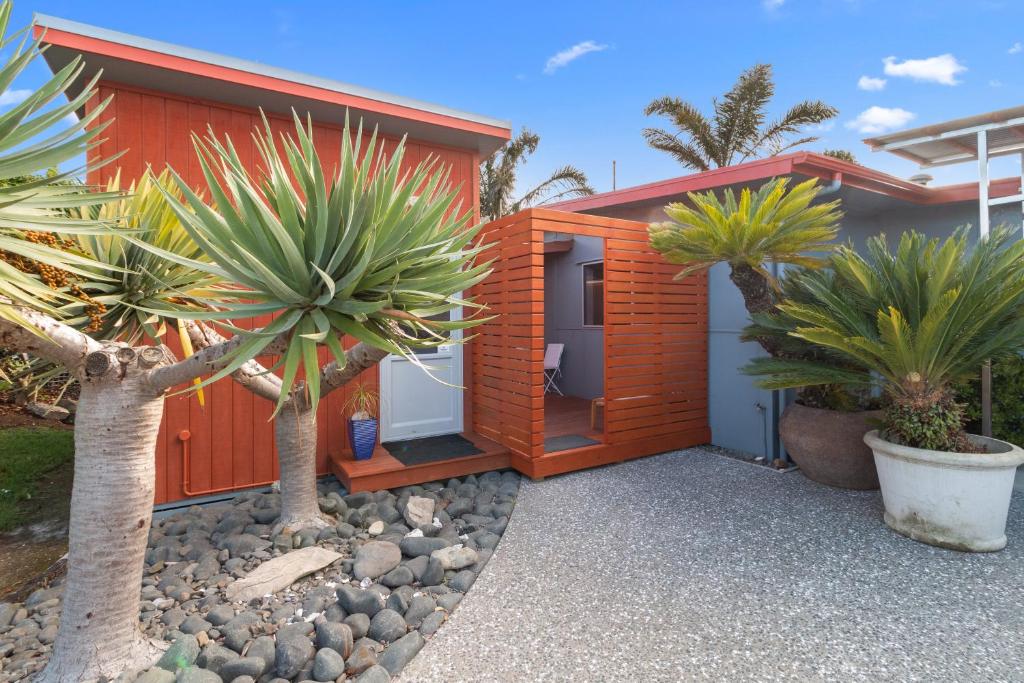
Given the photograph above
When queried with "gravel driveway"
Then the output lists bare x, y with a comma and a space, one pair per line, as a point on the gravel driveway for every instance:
691, 566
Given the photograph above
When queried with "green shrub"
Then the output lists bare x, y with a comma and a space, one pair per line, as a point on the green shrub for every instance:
1007, 401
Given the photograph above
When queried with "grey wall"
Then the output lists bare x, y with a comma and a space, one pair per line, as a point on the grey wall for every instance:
583, 358
741, 416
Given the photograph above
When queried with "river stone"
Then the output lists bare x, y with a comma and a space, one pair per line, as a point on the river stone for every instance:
419, 511
243, 544
376, 529
414, 546
419, 607
156, 676
220, 615
194, 625
361, 659
455, 557
399, 576
431, 623
448, 602
387, 626
401, 652
291, 654
356, 601
376, 558
214, 657
417, 566
182, 652
375, 674
243, 666
328, 665
433, 574
359, 624
194, 674
336, 636
462, 581
264, 648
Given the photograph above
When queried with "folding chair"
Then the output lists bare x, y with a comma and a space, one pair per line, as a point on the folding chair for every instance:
553, 367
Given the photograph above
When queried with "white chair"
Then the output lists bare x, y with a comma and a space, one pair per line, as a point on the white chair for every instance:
553, 367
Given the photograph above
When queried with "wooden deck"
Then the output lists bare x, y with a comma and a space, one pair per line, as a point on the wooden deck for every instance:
384, 471
564, 415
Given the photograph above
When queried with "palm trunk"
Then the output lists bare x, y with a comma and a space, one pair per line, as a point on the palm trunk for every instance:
116, 428
295, 434
757, 298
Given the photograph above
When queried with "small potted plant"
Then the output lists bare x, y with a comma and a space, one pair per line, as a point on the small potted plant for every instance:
922, 318
362, 425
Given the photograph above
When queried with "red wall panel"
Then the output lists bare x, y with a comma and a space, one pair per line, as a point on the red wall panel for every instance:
232, 441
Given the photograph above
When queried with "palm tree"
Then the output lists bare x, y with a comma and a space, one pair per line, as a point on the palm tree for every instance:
738, 129
498, 180
772, 225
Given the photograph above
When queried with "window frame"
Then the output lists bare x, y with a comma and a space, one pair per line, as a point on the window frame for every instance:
583, 294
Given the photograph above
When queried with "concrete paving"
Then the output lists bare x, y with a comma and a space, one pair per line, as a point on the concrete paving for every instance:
692, 566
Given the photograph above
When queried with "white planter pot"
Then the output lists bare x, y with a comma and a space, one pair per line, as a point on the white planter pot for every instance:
952, 500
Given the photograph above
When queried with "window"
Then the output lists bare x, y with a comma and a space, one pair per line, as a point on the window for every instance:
593, 294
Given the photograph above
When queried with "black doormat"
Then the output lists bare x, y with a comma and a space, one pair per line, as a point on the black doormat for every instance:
567, 441
431, 449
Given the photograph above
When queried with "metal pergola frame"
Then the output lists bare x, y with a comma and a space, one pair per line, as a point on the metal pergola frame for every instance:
977, 138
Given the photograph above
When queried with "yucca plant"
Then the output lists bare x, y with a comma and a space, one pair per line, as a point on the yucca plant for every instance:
920, 318
775, 224
374, 252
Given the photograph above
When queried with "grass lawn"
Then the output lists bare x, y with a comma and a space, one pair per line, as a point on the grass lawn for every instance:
27, 456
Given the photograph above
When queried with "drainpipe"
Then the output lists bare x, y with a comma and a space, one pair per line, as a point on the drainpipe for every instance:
779, 400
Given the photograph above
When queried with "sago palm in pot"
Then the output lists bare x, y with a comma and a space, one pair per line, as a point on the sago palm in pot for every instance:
923, 317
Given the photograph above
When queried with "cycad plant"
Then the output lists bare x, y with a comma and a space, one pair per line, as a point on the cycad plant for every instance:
774, 224
920, 318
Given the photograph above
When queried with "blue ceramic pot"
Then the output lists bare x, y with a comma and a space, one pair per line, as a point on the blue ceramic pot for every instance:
362, 435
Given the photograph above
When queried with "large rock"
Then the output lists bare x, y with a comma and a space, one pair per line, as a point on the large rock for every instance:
328, 665
182, 653
399, 576
356, 601
387, 626
336, 636
376, 558
214, 657
455, 557
414, 546
401, 652
361, 659
243, 666
281, 572
375, 674
291, 654
419, 511
419, 607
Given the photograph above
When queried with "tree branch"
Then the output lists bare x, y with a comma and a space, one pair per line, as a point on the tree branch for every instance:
208, 360
43, 336
252, 375
358, 358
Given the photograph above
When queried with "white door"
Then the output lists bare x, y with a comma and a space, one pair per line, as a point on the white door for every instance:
412, 403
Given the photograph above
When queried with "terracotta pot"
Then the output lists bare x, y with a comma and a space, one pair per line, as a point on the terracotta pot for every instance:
829, 447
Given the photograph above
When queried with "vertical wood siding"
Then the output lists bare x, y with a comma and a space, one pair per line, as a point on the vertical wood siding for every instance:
232, 440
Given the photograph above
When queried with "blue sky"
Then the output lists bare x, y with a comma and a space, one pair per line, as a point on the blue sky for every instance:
939, 59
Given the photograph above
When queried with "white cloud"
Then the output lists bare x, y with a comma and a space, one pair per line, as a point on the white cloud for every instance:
995, 83
557, 61
9, 97
1015, 48
871, 83
880, 119
772, 4
942, 69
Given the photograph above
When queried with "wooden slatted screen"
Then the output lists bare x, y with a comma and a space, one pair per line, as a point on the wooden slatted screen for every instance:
508, 352
655, 341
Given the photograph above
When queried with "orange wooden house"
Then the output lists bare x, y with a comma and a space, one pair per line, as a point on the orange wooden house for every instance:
653, 330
